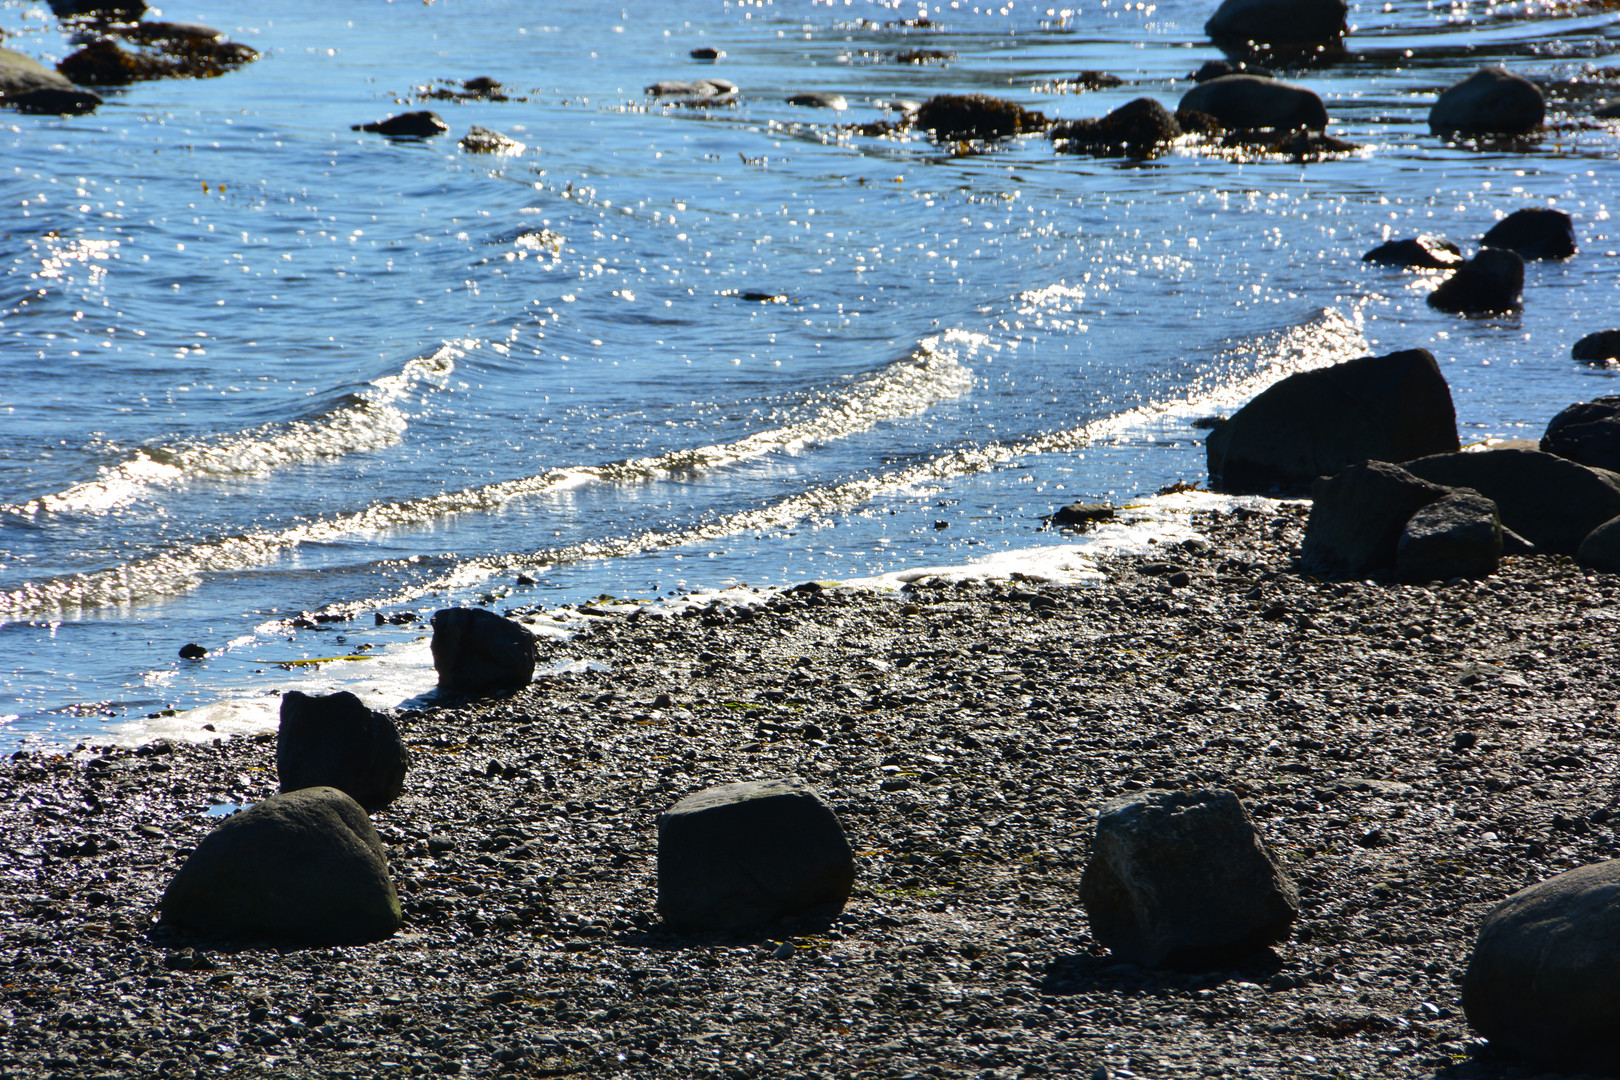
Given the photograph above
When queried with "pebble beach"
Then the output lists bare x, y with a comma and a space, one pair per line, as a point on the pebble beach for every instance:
1411, 754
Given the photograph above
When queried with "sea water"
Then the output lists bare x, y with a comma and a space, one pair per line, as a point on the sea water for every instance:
273, 386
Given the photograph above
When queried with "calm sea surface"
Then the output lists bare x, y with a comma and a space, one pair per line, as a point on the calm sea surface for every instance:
255, 365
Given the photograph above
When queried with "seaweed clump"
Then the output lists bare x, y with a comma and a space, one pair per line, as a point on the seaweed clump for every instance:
976, 116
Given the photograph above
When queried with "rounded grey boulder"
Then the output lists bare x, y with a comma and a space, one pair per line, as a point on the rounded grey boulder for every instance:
304, 868
1459, 535
1252, 101
1542, 980
1491, 101
477, 651
335, 741
740, 856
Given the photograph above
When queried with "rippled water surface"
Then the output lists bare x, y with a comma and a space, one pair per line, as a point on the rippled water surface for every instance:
255, 365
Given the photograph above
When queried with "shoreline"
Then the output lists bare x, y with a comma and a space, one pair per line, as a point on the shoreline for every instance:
1412, 755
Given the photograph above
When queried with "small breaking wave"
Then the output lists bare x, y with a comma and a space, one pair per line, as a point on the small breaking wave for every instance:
362, 421
906, 387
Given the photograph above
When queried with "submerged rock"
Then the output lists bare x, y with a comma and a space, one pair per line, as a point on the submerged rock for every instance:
418, 124
1535, 232
1425, 252
1492, 282
975, 116
1182, 879
1315, 423
1251, 101
698, 92
303, 868
1491, 101
742, 856
335, 741
1140, 128
104, 63
820, 99
1542, 981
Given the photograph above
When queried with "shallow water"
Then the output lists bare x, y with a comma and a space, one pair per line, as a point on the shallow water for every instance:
257, 365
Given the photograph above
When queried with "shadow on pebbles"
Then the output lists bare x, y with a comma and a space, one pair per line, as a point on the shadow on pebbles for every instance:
1412, 755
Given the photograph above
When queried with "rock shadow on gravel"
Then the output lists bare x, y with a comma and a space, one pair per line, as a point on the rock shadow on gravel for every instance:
1085, 973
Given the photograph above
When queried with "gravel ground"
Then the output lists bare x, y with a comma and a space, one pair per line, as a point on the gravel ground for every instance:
1413, 755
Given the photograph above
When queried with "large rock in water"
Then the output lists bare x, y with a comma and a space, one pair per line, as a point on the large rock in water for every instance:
1587, 432
1459, 535
1315, 423
1491, 101
476, 651
1492, 281
1423, 252
1182, 879
1253, 101
1535, 232
335, 741
1139, 128
304, 868
1542, 980
29, 86
741, 856
1600, 349
1279, 24
1551, 502
1358, 517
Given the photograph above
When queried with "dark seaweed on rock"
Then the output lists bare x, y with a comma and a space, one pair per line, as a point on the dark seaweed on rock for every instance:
104, 63
975, 116
1143, 128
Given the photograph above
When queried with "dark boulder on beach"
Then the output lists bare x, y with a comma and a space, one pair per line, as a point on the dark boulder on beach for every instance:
1535, 232
335, 741
1249, 102
1080, 516
1491, 101
477, 651
1542, 981
1551, 502
418, 124
739, 857
1277, 24
1600, 349
975, 116
1456, 536
1423, 252
304, 868
1182, 879
1315, 423
1587, 432
29, 86
1358, 517
1601, 548
1139, 129
1490, 283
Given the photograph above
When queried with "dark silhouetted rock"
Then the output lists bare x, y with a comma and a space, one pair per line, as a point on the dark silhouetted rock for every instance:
1277, 23
192, 651
482, 140
741, 856
975, 116
706, 53
419, 124
1140, 128
1315, 423
1587, 432
1081, 516
1247, 102
1094, 80
1182, 879
1601, 548
1542, 980
1492, 282
1489, 102
1551, 502
1421, 252
301, 868
335, 741
1459, 535
1358, 516
819, 99
104, 63
1535, 232
476, 651
483, 86
1601, 348
125, 10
